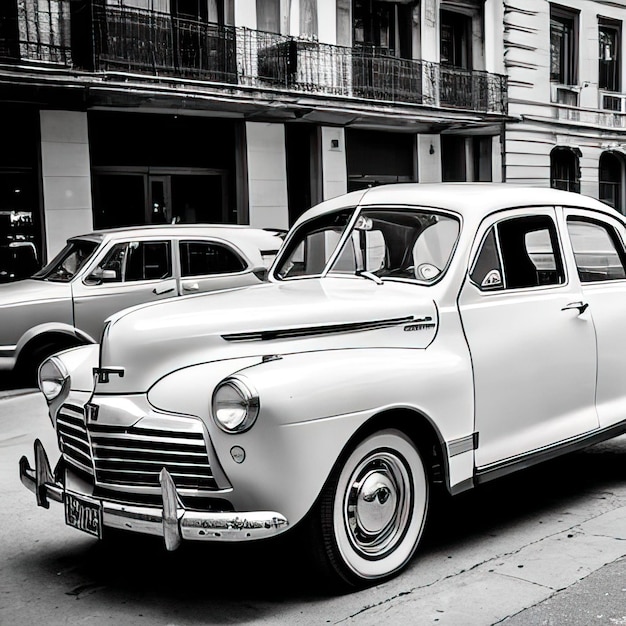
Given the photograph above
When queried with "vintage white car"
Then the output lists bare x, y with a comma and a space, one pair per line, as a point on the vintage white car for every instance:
411, 336
65, 303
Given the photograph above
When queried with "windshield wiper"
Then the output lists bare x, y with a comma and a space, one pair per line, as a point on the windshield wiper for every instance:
370, 276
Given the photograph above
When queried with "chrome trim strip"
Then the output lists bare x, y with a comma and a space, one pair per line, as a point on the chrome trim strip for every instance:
462, 445
507, 466
308, 331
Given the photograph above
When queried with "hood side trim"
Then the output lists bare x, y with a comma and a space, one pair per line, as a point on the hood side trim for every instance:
309, 331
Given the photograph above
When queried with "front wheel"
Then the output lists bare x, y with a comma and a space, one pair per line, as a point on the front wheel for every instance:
372, 511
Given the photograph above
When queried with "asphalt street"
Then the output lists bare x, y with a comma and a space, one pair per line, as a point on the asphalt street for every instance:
546, 546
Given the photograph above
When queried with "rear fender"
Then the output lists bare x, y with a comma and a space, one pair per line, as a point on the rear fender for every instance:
51, 328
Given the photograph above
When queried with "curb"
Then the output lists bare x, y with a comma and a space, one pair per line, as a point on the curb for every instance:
16, 393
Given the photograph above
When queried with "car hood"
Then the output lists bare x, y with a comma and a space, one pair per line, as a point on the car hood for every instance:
150, 341
29, 290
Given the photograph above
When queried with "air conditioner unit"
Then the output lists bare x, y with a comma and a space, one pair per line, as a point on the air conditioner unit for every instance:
564, 94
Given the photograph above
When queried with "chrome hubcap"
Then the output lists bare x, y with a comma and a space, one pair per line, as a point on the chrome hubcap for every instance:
377, 504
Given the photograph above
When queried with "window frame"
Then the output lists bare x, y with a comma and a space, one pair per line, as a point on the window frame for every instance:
614, 236
569, 51
97, 262
558, 251
615, 27
213, 242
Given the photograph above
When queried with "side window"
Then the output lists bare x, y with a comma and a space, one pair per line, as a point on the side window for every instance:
519, 253
201, 258
135, 260
111, 268
598, 251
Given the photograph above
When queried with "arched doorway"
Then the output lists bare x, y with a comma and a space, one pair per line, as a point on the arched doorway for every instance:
565, 168
611, 175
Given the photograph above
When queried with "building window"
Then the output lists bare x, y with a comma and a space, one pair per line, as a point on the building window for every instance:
383, 24
456, 39
563, 46
268, 15
609, 43
565, 169
611, 175
308, 18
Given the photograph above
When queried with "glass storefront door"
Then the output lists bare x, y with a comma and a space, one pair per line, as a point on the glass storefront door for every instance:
158, 196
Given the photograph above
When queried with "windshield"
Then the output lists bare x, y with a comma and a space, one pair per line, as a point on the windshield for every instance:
68, 262
414, 244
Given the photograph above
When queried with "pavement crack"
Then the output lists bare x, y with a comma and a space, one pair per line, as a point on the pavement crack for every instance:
503, 555
412, 590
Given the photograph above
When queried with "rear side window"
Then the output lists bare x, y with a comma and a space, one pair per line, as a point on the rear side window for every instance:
202, 258
519, 253
597, 249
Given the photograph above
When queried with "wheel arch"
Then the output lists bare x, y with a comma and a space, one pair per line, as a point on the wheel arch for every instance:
419, 428
37, 334
64, 335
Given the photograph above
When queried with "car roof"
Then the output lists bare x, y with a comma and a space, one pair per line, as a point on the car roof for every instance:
233, 232
471, 200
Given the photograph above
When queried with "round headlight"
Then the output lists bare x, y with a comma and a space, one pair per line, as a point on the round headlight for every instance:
235, 405
52, 376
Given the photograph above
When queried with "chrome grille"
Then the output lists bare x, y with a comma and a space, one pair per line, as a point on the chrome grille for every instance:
134, 456
73, 438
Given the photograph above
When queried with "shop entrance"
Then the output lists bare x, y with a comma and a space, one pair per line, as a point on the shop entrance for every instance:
136, 196
377, 158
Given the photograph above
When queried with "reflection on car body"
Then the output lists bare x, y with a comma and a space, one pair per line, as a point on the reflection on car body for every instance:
410, 337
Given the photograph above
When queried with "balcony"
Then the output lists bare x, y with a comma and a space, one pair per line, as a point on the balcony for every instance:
107, 38
147, 42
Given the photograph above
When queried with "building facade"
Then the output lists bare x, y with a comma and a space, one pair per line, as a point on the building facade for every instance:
120, 112
567, 95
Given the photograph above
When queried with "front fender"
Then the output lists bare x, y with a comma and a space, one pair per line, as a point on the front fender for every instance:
311, 404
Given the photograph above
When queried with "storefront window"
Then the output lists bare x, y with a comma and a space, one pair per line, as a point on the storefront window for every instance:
19, 257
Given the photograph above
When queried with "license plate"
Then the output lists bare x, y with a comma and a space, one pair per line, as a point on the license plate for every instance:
84, 514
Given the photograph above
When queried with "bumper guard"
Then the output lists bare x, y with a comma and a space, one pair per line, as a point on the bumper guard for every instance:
173, 522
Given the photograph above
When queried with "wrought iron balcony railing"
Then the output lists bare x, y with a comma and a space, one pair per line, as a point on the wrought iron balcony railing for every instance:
132, 40
136, 40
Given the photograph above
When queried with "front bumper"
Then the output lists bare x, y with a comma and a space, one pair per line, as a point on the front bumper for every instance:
171, 521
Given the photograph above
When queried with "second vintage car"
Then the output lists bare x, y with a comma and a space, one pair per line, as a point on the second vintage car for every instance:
65, 303
410, 336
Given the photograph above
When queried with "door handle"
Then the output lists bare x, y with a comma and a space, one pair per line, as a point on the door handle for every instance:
191, 287
581, 306
160, 292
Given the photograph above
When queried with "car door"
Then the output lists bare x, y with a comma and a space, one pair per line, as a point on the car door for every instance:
208, 265
598, 247
531, 340
131, 272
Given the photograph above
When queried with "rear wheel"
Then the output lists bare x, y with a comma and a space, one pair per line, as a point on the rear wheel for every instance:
372, 511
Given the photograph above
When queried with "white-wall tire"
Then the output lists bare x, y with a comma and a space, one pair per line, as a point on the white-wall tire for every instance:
374, 507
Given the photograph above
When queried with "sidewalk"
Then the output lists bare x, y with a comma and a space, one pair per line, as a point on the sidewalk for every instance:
600, 598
